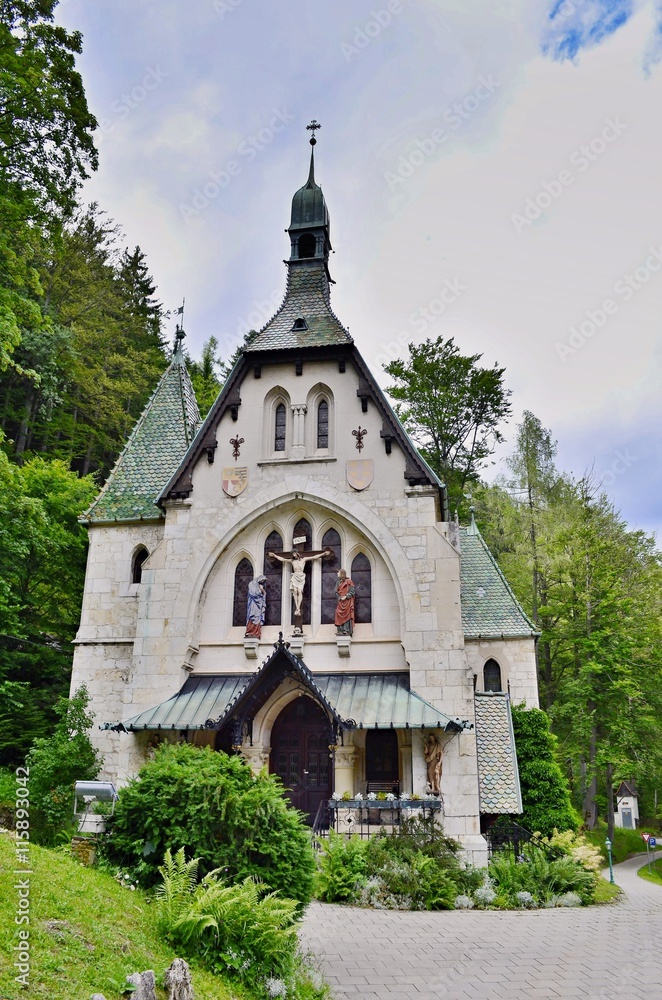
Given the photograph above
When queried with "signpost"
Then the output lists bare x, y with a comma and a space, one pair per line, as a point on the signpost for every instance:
651, 844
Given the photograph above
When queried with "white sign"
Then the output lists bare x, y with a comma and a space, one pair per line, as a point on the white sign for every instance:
301, 540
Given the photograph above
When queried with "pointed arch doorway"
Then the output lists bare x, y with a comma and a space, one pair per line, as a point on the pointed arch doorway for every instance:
300, 754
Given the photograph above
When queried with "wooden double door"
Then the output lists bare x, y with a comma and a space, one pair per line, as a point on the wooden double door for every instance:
300, 754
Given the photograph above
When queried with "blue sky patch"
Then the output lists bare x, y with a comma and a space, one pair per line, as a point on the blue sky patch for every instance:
573, 25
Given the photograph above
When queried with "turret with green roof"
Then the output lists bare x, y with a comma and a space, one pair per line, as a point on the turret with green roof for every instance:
158, 443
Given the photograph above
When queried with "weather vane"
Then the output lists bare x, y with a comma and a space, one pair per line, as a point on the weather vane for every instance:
314, 125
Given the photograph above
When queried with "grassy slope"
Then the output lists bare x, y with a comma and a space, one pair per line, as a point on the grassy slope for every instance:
626, 842
655, 874
109, 933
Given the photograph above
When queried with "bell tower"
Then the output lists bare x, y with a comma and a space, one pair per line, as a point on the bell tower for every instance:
310, 225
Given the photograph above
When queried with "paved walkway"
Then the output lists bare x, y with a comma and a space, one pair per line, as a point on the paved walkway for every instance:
606, 952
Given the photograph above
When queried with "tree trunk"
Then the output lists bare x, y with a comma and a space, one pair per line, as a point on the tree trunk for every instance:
610, 803
590, 803
22, 436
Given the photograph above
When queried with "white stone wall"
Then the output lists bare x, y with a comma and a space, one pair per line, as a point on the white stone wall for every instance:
517, 659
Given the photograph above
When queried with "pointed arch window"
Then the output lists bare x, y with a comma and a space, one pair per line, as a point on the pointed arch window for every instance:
242, 577
330, 567
139, 558
273, 570
323, 424
302, 530
361, 575
280, 428
492, 676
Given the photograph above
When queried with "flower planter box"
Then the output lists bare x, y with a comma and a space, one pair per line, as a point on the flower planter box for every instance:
381, 804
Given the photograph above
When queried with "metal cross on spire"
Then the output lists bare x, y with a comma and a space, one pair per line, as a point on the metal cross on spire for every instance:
314, 125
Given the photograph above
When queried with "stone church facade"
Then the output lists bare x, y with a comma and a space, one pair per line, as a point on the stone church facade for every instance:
301, 456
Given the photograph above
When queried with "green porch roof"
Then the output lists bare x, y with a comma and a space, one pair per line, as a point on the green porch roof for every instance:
362, 701
498, 775
490, 610
158, 442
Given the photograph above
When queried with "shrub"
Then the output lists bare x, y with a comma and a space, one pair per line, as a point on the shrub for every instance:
341, 868
414, 869
540, 876
464, 903
545, 790
213, 806
56, 763
579, 848
239, 930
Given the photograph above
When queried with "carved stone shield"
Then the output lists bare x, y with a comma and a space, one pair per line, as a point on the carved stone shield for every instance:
235, 481
360, 472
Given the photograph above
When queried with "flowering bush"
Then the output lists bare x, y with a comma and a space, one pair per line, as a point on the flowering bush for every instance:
578, 848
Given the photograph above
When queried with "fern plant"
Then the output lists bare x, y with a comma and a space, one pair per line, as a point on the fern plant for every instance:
174, 895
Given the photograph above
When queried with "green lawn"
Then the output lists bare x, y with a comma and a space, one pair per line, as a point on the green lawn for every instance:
87, 933
655, 874
605, 891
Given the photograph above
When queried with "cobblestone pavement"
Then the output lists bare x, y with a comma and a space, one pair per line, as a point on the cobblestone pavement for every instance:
605, 952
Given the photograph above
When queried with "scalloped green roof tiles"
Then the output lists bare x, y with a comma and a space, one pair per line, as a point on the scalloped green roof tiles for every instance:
307, 297
498, 775
158, 442
490, 610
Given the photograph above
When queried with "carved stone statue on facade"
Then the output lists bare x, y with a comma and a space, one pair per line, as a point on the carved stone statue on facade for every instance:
432, 752
256, 607
345, 591
298, 559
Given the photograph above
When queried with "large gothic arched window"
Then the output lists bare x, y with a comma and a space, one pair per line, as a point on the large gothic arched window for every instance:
492, 676
273, 570
242, 577
302, 531
330, 567
361, 575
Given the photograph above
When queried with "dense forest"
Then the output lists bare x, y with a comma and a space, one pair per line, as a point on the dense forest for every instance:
82, 344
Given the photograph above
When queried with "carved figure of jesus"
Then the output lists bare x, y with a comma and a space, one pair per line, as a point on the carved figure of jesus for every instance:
298, 579
433, 753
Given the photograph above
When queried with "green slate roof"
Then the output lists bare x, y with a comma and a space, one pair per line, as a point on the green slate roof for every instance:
363, 701
307, 297
498, 775
158, 442
490, 610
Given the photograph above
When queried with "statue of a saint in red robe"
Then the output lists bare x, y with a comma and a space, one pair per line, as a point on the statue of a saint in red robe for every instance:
345, 592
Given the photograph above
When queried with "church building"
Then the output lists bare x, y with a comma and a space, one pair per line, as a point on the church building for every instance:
283, 580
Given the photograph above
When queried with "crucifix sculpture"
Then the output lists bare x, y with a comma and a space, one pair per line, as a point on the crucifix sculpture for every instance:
298, 558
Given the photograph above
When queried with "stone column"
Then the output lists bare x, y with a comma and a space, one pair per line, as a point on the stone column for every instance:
406, 783
344, 769
257, 757
298, 438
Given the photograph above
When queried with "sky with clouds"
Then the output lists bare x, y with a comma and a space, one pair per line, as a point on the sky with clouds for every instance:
492, 170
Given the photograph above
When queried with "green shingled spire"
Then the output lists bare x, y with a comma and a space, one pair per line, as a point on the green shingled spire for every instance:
490, 610
157, 445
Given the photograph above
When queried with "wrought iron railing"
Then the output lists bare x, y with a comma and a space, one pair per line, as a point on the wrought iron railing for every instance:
505, 836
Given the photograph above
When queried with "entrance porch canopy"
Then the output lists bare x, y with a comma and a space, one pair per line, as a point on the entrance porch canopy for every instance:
352, 700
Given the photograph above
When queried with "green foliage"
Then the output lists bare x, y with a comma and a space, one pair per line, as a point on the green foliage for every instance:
56, 763
545, 790
451, 407
234, 929
545, 878
87, 933
42, 567
415, 868
624, 844
46, 150
205, 375
211, 805
341, 867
